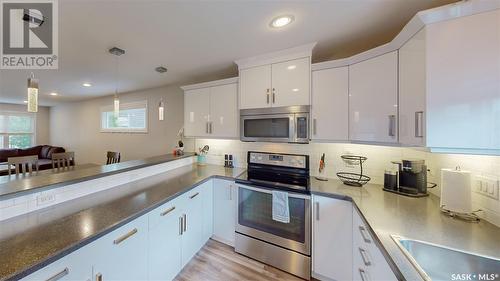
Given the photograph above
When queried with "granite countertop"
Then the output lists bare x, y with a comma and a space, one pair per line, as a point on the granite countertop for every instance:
7, 178
10, 189
415, 218
31, 241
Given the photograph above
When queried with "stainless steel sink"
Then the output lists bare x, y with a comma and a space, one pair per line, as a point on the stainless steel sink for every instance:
435, 262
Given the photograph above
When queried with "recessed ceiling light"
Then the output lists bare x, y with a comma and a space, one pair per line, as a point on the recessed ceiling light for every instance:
53, 94
281, 21
25, 101
295, 90
87, 85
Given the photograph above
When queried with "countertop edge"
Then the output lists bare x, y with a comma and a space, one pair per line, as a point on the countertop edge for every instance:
14, 194
70, 249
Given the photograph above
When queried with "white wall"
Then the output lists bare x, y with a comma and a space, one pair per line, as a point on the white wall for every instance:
42, 135
379, 159
76, 126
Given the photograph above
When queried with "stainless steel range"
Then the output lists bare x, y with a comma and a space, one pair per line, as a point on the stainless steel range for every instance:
283, 245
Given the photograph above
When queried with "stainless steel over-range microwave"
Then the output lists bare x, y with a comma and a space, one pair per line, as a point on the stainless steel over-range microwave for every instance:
275, 124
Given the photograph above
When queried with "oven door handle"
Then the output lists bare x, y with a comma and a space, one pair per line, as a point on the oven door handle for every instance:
290, 194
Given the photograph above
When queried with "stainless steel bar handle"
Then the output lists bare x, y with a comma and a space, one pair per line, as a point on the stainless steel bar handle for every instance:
365, 235
184, 219
363, 275
211, 124
317, 210
194, 195
167, 211
274, 95
392, 125
125, 237
98, 277
180, 225
206, 129
364, 256
314, 126
59, 275
419, 121
267, 94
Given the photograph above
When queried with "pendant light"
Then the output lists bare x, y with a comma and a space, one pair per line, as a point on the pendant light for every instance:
32, 93
161, 110
116, 101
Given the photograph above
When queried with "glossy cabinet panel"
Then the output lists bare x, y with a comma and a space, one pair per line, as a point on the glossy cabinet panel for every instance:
332, 239
196, 112
291, 82
330, 104
255, 87
224, 115
373, 99
224, 199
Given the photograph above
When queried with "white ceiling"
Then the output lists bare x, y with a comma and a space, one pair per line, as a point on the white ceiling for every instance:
197, 40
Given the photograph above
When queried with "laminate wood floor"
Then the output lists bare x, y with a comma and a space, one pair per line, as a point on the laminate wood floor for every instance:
219, 262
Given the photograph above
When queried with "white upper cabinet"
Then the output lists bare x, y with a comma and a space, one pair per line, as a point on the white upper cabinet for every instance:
255, 87
291, 82
412, 91
223, 112
224, 198
196, 112
463, 83
373, 99
211, 109
276, 79
330, 104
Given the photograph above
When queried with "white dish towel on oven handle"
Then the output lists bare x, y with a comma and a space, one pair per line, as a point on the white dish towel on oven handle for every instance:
281, 211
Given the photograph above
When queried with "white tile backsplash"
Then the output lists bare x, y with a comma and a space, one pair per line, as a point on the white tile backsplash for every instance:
379, 159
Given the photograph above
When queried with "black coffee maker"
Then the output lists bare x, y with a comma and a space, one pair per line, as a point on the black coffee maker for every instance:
411, 178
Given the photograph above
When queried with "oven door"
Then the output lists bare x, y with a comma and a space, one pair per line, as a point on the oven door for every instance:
269, 127
255, 219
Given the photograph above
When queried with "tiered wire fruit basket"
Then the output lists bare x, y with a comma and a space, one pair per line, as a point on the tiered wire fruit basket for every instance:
354, 179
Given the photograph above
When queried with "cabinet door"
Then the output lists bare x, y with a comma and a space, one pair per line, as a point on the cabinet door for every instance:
192, 236
332, 239
164, 243
224, 211
224, 111
373, 99
75, 266
123, 253
463, 82
412, 91
196, 112
330, 104
255, 87
208, 207
291, 82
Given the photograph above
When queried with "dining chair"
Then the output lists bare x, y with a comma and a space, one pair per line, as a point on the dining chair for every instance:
112, 157
63, 160
23, 164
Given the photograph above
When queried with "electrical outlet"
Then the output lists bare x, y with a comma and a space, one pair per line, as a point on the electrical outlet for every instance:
487, 186
46, 198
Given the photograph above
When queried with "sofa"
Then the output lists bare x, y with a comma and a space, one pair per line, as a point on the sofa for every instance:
44, 153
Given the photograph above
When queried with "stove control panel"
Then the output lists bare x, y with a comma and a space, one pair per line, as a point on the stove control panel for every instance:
283, 160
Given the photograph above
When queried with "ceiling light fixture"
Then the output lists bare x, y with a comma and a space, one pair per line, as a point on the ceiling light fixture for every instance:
161, 110
87, 85
291, 67
25, 101
282, 21
53, 94
32, 93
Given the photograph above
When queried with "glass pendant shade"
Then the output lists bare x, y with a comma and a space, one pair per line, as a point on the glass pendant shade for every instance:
161, 111
116, 106
32, 94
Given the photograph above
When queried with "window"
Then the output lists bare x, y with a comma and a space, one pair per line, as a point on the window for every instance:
133, 117
17, 130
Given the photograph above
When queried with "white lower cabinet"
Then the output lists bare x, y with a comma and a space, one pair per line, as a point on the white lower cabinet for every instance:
369, 263
192, 234
224, 219
164, 243
332, 239
75, 266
